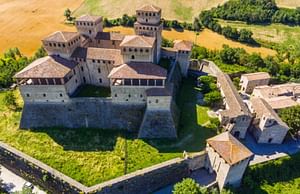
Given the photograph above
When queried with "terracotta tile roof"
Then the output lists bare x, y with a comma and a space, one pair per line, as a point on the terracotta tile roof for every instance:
138, 41
158, 92
257, 76
149, 8
47, 67
278, 90
138, 70
282, 102
99, 54
109, 36
233, 99
262, 108
229, 148
61, 36
89, 18
183, 45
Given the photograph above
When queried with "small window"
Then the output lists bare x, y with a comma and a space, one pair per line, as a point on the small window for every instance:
156, 100
50, 44
135, 50
109, 62
141, 95
63, 45
54, 44
116, 95
76, 81
27, 95
129, 95
44, 95
81, 68
132, 57
93, 60
90, 31
146, 50
141, 50
74, 71
130, 49
61, 95
58, 44
100, 80
124, 49
99, 70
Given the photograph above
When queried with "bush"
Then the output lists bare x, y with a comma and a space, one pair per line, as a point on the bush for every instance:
10, 100
212, 98
188, 186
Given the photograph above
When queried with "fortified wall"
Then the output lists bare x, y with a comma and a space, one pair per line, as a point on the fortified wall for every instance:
102, 113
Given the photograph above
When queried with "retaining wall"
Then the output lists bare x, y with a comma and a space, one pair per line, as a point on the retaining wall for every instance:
143, 181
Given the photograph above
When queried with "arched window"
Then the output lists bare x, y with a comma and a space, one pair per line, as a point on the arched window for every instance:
132, 57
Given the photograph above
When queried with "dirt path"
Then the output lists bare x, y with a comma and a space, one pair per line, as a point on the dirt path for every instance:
23, 23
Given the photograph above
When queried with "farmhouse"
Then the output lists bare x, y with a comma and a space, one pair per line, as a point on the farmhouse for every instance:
228, 158
251, 80
126, 64
268, 127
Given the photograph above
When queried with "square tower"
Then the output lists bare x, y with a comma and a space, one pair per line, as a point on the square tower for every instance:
149, 24
62, 43
89, 25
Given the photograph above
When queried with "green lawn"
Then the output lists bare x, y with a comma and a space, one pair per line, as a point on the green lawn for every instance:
93, 91
202, 116
277, 176
94, 155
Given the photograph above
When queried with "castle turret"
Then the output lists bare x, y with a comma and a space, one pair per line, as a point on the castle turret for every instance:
89, 25
149, 24
62, 43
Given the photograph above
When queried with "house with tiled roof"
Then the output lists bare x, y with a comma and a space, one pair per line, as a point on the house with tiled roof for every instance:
127, 65
267, 125
251, 80
228, 158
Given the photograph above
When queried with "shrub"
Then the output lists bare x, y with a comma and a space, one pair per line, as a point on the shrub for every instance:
188, 186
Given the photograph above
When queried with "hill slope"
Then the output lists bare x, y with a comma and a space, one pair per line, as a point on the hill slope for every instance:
172, 9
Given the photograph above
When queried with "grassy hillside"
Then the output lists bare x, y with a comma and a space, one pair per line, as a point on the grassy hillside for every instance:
271, 33
172, 9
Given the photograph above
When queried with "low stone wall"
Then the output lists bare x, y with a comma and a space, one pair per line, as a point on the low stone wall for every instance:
143, 181
83, 113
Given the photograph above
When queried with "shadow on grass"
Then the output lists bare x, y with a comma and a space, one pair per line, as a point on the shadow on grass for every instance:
86, 139
191, 136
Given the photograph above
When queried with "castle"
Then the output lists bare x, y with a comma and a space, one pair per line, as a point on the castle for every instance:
142, 92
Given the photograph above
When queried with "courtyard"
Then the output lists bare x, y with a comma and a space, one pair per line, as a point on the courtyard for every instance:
95, 155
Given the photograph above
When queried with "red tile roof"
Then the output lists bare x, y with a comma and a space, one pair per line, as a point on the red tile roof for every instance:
47, 67
229, 148
61, 36
183, 45
138, 41
138, 70
149, 8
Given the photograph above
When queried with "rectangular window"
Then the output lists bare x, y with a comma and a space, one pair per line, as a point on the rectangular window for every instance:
99, 70
127, 82
159, 82
151, 82
135, 82
100, 80
143, 82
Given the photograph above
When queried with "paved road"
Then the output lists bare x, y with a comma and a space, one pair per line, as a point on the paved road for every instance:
265, 152
14, 182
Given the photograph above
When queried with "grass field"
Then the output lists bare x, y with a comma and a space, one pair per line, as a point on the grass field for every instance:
94, 155
271, 33
206, 38
93, 91
171, 9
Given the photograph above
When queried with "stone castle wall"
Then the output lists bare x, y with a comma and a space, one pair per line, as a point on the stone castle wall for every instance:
143, 181
83, 113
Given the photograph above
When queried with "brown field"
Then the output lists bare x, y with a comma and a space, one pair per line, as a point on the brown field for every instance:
206, 38
288, 3
23, 23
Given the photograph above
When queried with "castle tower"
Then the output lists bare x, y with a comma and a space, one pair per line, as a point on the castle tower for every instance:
61, 43
149, 24
89, 25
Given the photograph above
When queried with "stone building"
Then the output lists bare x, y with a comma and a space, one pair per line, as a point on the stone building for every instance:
267, 125
251, 80
279, 96
228, 158
236, 117
149, 24
180, 53
126, 64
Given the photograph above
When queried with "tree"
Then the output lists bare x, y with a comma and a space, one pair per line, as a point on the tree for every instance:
67, 14
188, 186
196, 25
10, 100
291, 116
245, 36
212, 98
